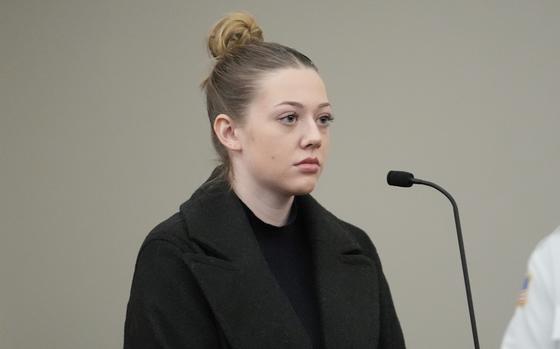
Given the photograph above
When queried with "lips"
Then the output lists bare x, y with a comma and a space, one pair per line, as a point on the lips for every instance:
309, 161
309, 166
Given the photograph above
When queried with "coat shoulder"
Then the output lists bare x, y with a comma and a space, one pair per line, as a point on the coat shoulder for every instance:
166, 308
172, 230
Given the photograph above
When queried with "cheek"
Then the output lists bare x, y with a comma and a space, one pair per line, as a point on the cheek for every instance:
270, 148
325, 141
273, 156
264, 149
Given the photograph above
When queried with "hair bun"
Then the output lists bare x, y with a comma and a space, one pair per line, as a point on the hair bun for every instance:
234, 30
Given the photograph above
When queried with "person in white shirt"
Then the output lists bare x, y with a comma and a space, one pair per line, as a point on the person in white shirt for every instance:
536, 321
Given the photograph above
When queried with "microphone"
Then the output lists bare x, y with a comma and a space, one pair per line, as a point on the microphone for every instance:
406, 179
400, 178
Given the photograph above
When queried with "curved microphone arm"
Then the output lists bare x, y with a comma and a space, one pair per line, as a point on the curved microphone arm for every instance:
462, 251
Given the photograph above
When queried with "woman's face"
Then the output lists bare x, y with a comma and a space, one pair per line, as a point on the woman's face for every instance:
285, 134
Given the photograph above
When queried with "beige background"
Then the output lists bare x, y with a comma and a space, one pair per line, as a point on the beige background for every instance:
103, 134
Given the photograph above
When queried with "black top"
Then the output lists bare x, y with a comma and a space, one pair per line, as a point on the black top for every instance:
288, 253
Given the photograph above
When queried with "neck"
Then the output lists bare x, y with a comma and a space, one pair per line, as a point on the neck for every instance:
268, 205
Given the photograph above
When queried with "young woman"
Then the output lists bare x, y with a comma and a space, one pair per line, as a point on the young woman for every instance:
251, 260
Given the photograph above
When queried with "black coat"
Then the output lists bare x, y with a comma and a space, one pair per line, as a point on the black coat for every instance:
201, 282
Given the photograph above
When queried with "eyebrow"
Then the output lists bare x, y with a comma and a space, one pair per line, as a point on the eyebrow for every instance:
299, 105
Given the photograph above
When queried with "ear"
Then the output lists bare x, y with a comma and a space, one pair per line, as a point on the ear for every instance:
225, 130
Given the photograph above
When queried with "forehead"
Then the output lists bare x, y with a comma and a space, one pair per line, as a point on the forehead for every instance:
302, 85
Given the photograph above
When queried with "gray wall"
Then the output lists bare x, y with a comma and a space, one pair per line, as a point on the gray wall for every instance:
103, 134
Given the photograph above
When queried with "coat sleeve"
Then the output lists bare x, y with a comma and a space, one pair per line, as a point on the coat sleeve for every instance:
391, 335
166, 308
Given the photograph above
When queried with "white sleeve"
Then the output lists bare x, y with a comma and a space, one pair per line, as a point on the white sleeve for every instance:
536, 321
556, 327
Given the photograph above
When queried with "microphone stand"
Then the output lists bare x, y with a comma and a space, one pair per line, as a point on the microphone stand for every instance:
462, 251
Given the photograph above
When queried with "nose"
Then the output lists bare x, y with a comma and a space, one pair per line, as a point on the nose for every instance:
311, 137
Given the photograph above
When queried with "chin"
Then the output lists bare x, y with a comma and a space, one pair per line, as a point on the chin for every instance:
303, 187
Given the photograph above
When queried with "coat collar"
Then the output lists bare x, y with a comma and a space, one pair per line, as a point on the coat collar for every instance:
246, 300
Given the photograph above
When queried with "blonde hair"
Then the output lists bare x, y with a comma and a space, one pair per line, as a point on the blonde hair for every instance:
242, 57
236, 29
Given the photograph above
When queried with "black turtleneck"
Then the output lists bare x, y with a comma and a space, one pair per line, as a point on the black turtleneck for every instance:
288, 253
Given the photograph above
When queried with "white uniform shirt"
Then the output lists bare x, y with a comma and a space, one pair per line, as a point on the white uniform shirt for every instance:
536, 322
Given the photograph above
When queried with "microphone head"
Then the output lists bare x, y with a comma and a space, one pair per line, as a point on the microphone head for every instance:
400, 178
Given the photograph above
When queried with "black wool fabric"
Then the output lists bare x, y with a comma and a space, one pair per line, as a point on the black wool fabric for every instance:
201, 281
288, 254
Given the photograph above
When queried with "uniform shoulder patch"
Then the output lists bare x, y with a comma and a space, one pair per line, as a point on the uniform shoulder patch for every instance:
522, 299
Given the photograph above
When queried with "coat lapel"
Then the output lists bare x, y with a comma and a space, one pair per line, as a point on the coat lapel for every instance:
244, 296
346, 279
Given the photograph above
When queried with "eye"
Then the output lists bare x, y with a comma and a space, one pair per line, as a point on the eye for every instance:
325, 120
289, 119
